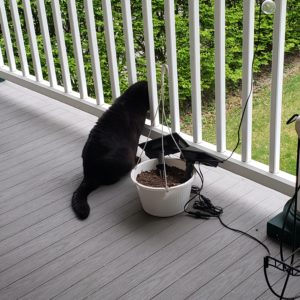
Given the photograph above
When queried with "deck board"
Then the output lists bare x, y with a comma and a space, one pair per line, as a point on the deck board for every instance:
119, 251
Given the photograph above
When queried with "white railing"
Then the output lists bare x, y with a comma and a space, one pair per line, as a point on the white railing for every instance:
242, 164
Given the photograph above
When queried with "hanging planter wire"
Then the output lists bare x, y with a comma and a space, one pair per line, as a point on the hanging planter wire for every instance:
161, 166
163, 201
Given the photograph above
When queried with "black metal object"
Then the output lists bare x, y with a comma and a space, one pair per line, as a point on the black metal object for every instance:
153, 149
281, 227
193, 154
280, 265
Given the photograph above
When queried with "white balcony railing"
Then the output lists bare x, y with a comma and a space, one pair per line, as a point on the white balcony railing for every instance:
242, 164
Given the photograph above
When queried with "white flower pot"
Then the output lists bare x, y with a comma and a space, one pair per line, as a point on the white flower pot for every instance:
162, 202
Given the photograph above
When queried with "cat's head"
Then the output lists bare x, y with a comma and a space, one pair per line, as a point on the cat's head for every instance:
137, 94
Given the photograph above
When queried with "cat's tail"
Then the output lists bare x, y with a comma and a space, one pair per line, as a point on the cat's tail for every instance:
79, 201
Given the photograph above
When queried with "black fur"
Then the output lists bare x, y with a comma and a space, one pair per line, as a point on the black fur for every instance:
110, 151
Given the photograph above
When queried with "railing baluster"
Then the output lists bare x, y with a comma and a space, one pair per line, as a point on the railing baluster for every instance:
62, 52
94, 50
77, 49
7, 38
150, 58
277, 79
129, 45
195, 69
47, 42
19, 37
32, 40
172, 64
111, 48
248, 42
220, 74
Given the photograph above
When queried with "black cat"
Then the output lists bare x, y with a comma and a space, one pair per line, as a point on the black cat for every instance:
110, 151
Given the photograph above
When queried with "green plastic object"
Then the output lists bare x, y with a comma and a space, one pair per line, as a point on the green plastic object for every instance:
274, 227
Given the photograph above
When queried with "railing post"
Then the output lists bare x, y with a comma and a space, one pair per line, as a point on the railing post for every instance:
77, 49
62, 52
129, 45
277, 79
172, 64
47, 42
220, 74
7, 38
195, 69
111, 48
247, 80
32, 40
19, 37
150, 58
94, 50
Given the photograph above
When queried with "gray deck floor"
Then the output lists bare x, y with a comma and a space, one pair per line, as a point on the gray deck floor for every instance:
119, 251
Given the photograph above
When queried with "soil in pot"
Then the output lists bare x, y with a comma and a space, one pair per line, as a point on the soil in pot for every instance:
175, 176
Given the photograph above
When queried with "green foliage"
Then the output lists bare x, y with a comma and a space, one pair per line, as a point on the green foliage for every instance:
234, 20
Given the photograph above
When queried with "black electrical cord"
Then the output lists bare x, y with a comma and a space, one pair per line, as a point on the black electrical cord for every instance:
246, 234
296, 202
204, 209
283, 227
285, 284
195, 190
